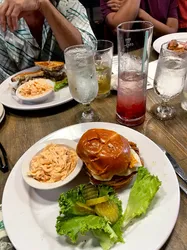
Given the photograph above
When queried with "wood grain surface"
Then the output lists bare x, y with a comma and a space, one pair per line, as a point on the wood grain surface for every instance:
20, 130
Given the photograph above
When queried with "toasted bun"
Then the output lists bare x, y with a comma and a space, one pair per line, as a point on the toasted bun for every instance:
105, 153
27, 76
50, 65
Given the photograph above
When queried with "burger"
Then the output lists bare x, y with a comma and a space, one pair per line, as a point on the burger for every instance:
52, 70
109, 157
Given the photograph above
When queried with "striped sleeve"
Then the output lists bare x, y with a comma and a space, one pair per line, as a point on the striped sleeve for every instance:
77, 15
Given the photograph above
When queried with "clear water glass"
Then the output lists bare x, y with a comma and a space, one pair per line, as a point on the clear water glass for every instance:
184, 96
134, 43
103, 62
82, 79
169, 80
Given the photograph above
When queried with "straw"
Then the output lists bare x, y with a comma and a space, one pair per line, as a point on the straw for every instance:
145, 48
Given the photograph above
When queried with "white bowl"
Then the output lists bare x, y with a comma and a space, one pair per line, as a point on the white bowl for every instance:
38, 98
35, 150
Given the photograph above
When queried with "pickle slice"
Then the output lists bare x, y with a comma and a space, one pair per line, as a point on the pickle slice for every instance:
83, 208
90, 191
109, 210
95, 201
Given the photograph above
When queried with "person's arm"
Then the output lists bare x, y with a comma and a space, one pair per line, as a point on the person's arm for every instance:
160, 28
69, 23
127, 12
76, 14
65, 33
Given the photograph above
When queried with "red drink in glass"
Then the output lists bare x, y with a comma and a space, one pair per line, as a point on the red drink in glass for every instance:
131, 99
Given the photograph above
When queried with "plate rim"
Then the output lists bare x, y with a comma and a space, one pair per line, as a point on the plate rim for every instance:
34, 106
104, 124
168, 35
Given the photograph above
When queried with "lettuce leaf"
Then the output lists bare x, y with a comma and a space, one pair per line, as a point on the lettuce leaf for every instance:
82, 224
106, 240
60, 84
118, 228
67, 201
71, 222
141, 194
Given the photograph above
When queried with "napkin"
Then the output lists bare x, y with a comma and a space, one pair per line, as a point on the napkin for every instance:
151, 73
150, 77
5, 243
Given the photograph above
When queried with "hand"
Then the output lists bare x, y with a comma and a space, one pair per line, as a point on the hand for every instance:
115, 5
11, 11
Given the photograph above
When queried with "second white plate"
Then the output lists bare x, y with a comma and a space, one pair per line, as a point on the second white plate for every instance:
9, 99
167, 38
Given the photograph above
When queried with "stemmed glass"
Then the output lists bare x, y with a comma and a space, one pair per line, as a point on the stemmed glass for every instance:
169, 80
82, 80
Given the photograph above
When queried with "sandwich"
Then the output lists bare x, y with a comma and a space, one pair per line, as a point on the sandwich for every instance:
52, 70
50, 65
109, 157
26, 76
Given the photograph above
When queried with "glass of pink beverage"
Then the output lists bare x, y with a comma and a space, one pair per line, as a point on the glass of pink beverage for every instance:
134, 41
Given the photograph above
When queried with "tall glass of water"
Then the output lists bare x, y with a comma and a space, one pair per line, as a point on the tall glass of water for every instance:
82, 79
169, 80
134, 42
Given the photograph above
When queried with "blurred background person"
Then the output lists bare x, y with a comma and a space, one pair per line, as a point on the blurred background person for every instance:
162, 14
116, 12
39, 30
182, 15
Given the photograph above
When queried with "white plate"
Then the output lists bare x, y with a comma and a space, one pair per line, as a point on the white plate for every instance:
114, 78
46, 186
167, 38
30, 215
9, 99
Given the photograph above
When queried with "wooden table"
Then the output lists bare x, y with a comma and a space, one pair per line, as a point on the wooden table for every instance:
20, 130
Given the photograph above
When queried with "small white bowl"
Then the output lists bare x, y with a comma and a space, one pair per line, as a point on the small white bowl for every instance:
38, 98
35, 150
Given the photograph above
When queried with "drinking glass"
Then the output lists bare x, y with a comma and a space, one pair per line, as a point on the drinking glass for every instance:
103, 62
134, 42
82, 80
184, 96
169, 80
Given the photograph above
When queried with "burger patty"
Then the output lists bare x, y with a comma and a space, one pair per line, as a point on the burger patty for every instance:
55, 75
116, 181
